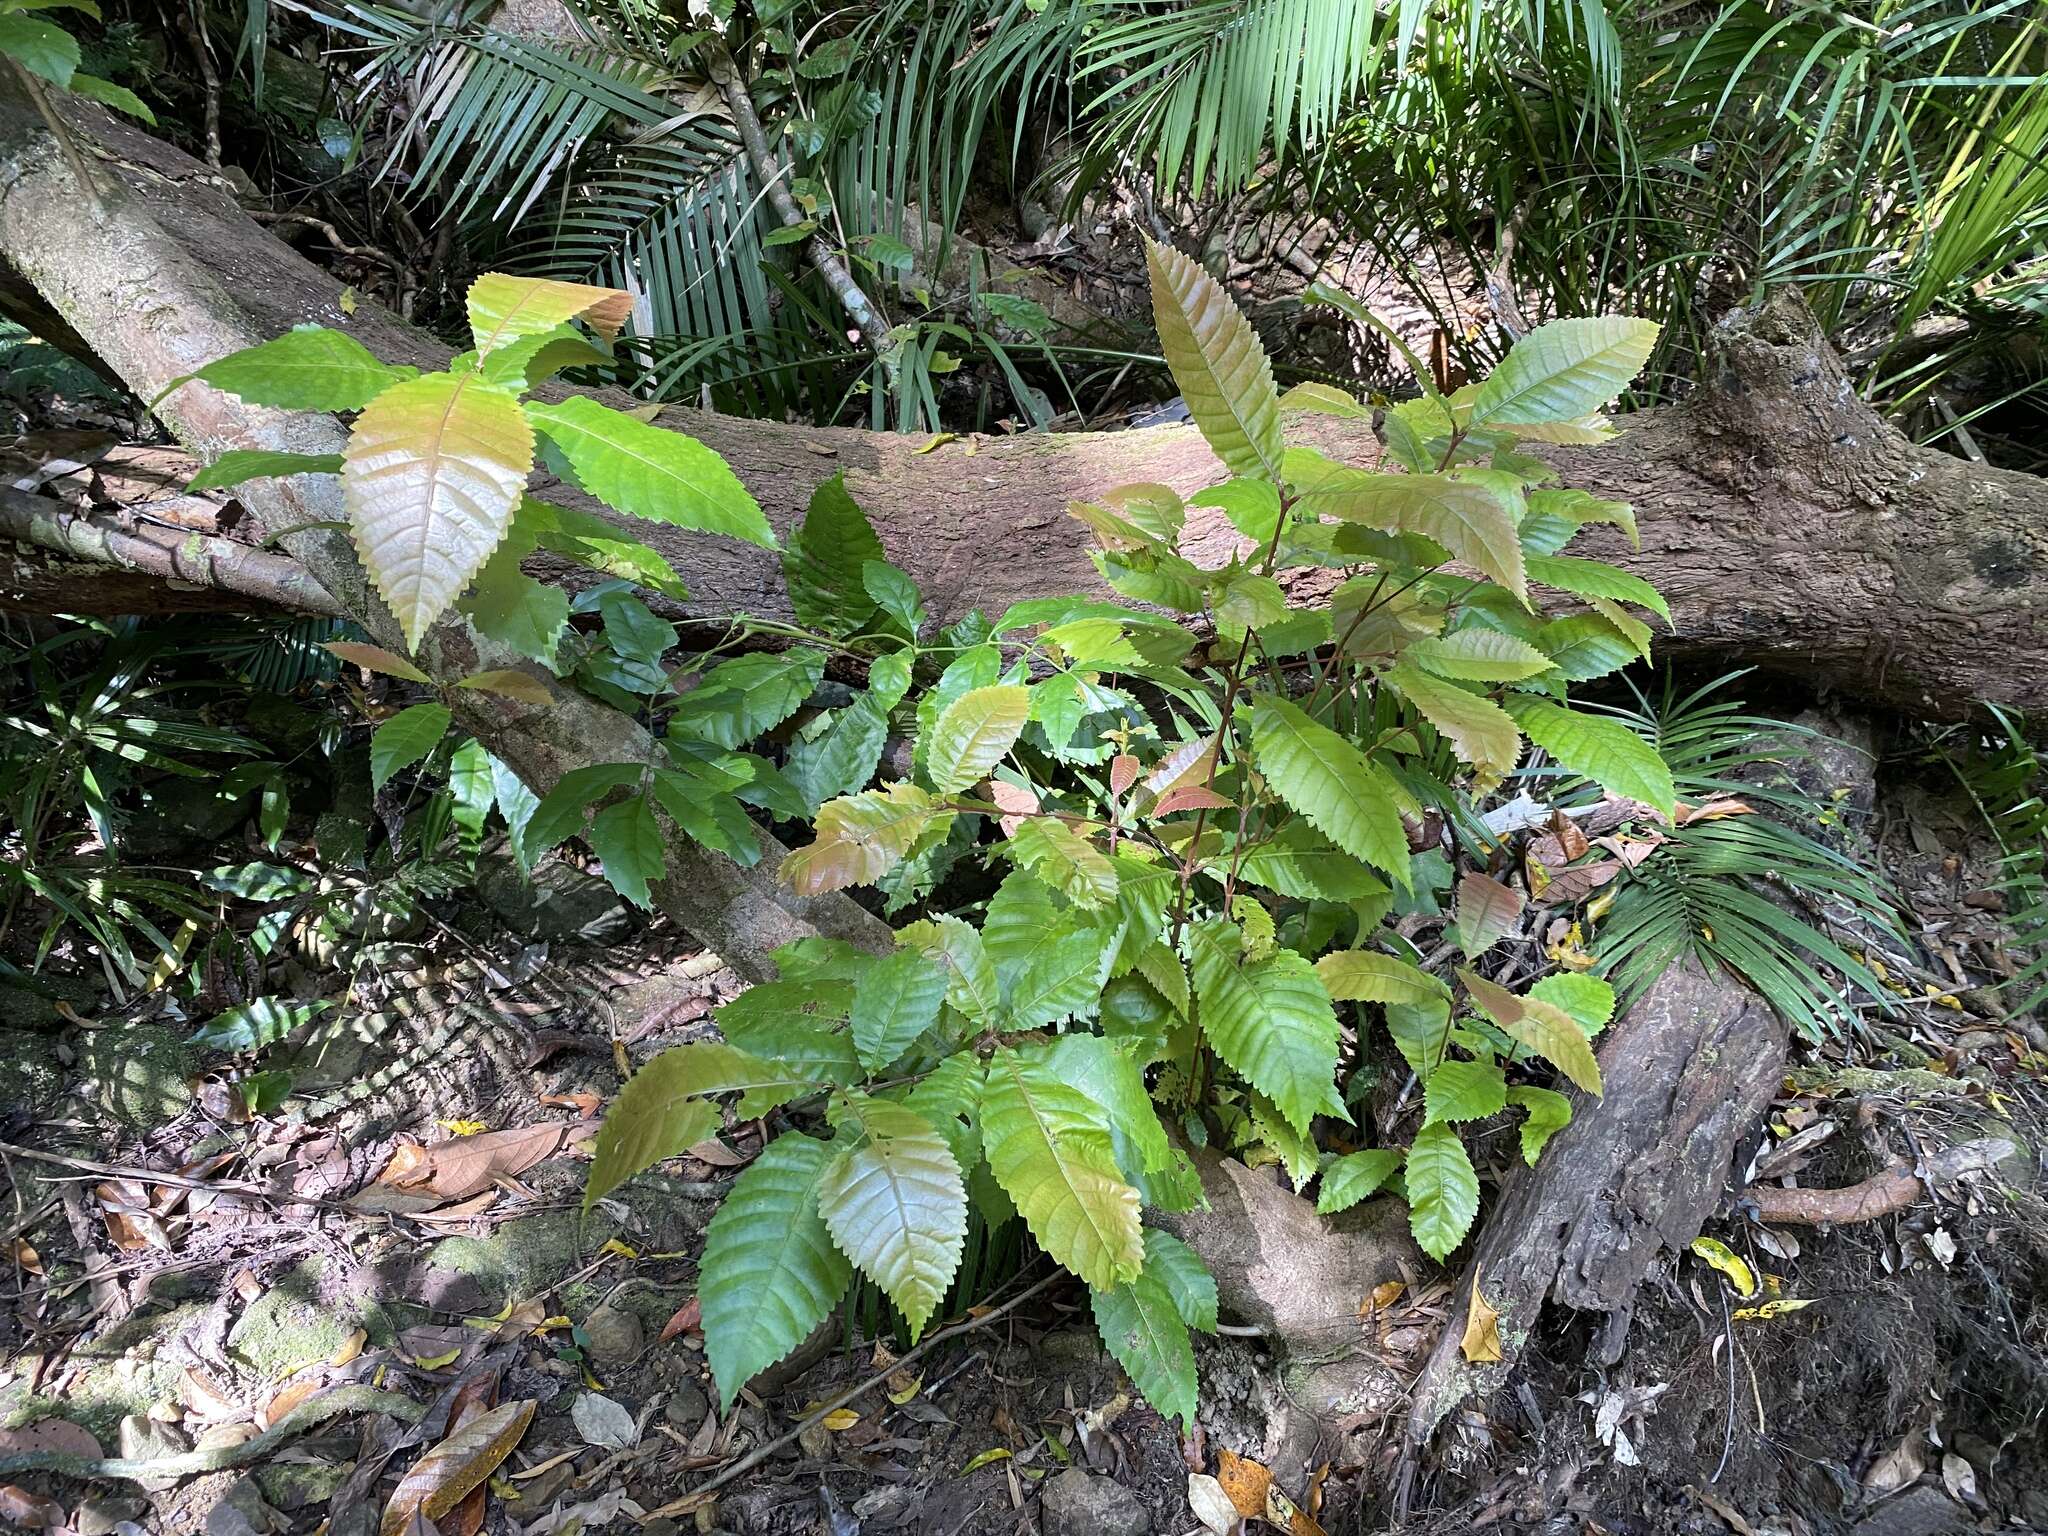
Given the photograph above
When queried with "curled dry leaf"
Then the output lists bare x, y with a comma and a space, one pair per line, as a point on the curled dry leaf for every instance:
443, 1477
1212, 1506
467, 1165
688, 1318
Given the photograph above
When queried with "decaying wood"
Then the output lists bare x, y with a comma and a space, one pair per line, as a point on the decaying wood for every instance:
1788, 525
1883, 1195
177, 560
1686, 1070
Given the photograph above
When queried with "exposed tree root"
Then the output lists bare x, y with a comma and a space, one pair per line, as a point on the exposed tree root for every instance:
1884, 1195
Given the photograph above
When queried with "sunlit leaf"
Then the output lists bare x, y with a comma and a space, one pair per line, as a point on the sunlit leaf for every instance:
432, 474
1218, 363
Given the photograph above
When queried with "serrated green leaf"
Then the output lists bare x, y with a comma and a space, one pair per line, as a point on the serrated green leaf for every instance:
627, 842
1548, 1113
895, 1203
1186, 1278
739, 699
974, 733
1588, 999
1596, 578
431, 477
1062, 975
1247, 600
1296, 861
1351, 1179
1143, 1330
1471, 515
1109, 1077
1064, 860
240, 464
1271, 1021
1543, 1027
843, 758
1585, 646
513, 609
405, 738
949, 1097
1443, 1190
562, 809
1365, 976
770, 1272
825, 564
1464, 1090
504, 309
649, 472
650, 1118
309, 368
972, 985
41, 47
797, 1025
121, 99
1051, 1152
895, 1002
1478, 655
1218, 363
1478, 729
1605, 751
1564, 370
860, 838
1343, 793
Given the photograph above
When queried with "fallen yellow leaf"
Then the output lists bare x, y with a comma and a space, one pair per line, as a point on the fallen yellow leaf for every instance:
998, 1453
1771, 1309
841, 1419
1719, 1255
1481, 1343
350, 1348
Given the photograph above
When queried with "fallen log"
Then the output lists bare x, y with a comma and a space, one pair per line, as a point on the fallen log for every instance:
154, 314
1788, 525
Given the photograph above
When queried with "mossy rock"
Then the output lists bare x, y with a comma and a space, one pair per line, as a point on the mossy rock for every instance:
524, 1257
141, 1074
124, 1375
290, 1485
303, 1318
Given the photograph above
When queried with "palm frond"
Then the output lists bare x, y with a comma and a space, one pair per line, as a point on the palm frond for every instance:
1729, 890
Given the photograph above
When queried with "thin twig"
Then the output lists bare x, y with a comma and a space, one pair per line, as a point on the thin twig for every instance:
760, 1454
867, 319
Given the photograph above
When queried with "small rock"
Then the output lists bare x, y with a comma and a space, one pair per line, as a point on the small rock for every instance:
616, 1336
1078, 1503
144, 1439
687, 1406
102, 1517
1919, 1511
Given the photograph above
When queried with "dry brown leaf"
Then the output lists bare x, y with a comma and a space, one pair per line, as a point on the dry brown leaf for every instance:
1246, 1481
204, 1398
292, 1395
60, 1435
444, 1477
583, 1101
466, 1165
26, 1258
1383, 1296
1711, 809
1481, 1343
688, 1318
26, 1511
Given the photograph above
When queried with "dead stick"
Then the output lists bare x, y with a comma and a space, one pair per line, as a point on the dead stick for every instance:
760, 1454
351, 1399
1887, 1193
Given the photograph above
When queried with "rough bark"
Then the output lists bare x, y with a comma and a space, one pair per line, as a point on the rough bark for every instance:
1686, 1072
154, 314
1788, 525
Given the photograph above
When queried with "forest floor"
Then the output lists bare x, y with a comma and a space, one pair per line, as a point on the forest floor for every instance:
181, 1276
